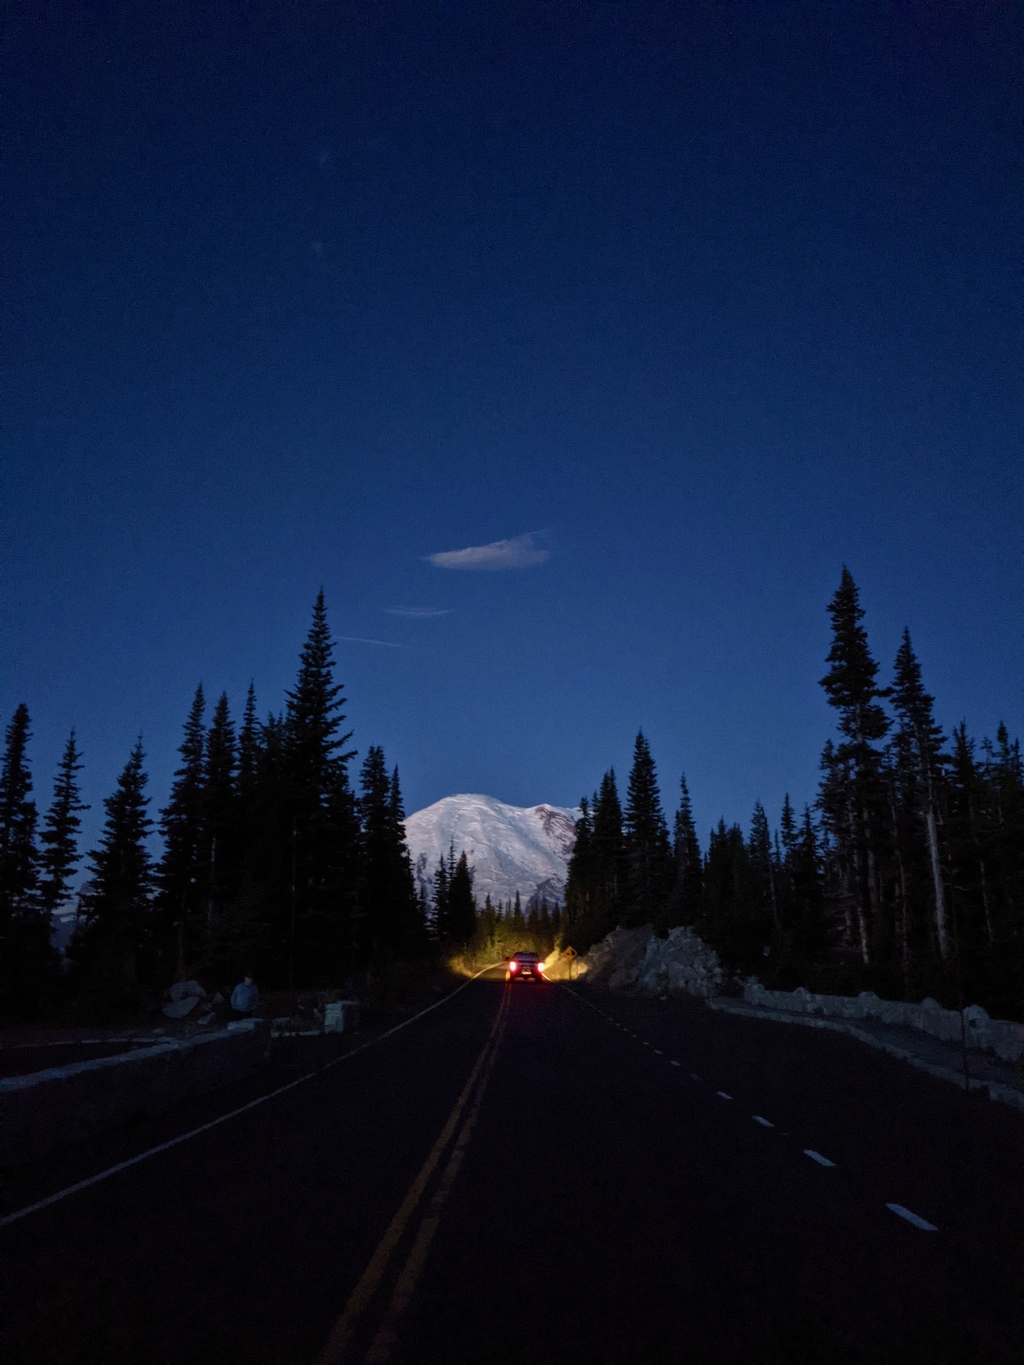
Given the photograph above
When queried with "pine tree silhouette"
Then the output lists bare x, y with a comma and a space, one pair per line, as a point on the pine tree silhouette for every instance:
116, 928
647, 842
59, 854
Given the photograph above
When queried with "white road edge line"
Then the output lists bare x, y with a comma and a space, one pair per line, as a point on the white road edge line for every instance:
765, 1123
912, 1218
214, 1123
723, 1096
674, 1063
817, 1156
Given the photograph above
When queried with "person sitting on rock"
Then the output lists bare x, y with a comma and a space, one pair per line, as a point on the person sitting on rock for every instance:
245, 997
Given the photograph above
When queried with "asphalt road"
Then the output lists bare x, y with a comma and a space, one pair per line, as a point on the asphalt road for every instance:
540, 1174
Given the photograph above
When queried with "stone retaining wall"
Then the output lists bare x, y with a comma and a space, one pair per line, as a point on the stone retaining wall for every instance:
50, 1109
1000, 1036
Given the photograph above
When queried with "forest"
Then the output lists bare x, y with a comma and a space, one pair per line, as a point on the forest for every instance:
272, 861
905, 875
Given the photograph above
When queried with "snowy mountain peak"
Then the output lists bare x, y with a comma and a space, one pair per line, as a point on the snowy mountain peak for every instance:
510, 848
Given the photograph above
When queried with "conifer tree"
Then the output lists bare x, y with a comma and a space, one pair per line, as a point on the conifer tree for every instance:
320, 813
387, 894
611, 858
734, 919
687, 893
27, 962
248, 761
556, 926
647, 842
59, 854
545, 928
788, 829
807, 923
442, 929
182, 870
116, 926
762, 861
461, 903
579, 884
518, 922
412, 926
856, 791
921, 741
19, 859
985, 839
219, 869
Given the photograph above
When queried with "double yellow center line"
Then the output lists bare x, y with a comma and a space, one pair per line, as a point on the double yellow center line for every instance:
383, 1343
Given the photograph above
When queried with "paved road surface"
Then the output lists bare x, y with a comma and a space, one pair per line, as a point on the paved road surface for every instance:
540, 1175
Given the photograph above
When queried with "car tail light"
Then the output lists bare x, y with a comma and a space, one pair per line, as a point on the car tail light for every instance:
513, 966
540, 966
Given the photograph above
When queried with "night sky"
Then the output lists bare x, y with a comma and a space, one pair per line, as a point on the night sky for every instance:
689, 303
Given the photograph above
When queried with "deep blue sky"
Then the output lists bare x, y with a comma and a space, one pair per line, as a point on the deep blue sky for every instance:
718, 296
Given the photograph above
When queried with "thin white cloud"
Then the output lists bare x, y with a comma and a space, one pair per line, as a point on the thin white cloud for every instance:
418, 613
518, 553
361, 640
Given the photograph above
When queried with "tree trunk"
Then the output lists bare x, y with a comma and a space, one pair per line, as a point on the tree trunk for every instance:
937, 883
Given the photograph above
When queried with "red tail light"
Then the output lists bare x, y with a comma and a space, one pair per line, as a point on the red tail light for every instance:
540, 966
513, 966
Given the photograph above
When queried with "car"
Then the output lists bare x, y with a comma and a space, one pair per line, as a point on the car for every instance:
523, 966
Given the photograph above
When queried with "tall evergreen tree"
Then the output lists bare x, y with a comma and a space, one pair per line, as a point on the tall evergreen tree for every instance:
19, 858
320, 814
518, 921
734, 919
922, 742
248, 761
788, 829
806, 917
611, 858
59, 854
854, 772
442, 883
461, 903
182, 871
580, 878
647, 842
116, 927
219, 852
688, 885
762, 862
27, 963
388, 893
412, 921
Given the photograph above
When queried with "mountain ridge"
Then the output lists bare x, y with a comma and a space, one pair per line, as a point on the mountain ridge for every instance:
524, 849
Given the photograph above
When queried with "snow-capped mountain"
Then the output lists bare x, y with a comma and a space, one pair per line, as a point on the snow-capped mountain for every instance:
510, 848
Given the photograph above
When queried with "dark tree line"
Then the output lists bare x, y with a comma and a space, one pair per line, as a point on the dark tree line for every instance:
271, 862
906, 876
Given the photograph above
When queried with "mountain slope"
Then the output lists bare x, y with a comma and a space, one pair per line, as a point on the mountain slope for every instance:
510, 848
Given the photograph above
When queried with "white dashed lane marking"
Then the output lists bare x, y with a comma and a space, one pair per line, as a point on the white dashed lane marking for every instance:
912, 1218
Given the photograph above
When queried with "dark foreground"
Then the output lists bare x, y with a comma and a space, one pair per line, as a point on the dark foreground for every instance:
529, 1182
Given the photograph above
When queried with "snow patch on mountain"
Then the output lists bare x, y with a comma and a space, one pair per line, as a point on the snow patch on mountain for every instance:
509, 848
